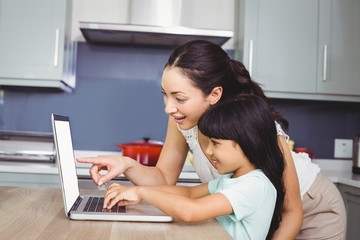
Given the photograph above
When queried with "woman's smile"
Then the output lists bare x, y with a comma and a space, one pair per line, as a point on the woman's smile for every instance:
179, 119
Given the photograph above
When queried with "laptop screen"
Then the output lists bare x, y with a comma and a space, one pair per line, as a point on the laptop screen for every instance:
65, 160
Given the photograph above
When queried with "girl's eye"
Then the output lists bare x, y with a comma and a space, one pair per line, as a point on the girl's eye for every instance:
214, 142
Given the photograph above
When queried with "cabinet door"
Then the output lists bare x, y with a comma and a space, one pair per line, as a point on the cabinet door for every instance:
351, 196
32, 39
280, 44
339, 47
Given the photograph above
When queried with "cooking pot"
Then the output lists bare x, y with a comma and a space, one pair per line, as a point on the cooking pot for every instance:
145, 152
305, 150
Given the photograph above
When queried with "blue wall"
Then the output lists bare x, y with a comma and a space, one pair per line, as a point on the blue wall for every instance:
117, 99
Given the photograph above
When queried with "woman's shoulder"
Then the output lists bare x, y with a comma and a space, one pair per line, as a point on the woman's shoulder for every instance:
280, 131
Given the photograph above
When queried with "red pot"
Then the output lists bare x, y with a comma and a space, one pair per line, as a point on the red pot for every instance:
305, 150
145, 152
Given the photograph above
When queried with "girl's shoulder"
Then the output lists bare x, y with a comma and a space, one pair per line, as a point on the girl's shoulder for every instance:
255, 177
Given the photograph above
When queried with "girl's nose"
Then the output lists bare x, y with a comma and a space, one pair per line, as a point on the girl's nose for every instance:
208, 150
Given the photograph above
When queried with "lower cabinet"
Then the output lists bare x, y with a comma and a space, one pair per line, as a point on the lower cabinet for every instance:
29, 180
351, 196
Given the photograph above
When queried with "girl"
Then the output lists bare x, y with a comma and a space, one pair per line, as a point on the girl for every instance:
247, 199
198, 75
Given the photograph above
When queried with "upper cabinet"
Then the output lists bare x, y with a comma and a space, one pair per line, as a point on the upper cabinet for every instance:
35, 46
301, 49
339, 47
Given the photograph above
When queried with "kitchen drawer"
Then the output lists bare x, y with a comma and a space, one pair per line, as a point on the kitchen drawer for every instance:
29, 180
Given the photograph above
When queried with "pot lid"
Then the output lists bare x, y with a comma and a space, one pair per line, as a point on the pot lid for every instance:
145, 143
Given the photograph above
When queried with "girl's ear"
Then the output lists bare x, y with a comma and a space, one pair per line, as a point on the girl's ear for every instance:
215, 95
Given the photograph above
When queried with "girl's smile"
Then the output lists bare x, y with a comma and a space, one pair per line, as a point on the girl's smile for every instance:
214, 163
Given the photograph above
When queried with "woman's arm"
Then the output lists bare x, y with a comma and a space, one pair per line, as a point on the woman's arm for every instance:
188, 204
170, 163
292, 216
167, 169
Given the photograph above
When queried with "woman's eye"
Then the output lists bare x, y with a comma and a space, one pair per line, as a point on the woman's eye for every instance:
180, 100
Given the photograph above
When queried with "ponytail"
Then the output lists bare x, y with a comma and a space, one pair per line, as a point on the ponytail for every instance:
245, 85
208, 66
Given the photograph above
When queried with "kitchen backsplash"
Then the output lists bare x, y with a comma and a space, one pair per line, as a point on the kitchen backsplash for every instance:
118, 99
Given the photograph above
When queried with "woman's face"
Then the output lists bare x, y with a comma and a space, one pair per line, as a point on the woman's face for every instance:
183, 101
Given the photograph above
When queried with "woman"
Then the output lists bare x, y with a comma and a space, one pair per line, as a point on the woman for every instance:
200, 74
247, 199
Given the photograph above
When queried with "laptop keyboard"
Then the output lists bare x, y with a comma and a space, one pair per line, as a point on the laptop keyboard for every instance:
95, 204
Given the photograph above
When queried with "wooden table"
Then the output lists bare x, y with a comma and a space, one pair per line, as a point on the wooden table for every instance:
38, 213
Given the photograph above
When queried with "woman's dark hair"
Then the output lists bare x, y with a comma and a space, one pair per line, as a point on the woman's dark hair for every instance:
208, 66
247, 120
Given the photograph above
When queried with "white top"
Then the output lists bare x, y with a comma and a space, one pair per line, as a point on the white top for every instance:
200, 163
252, 197
305, 168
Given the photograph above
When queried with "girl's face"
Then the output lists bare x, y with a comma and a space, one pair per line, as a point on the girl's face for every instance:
183, 101
227, 157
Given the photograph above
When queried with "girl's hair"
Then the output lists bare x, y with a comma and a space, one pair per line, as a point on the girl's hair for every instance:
208, 66
247, 120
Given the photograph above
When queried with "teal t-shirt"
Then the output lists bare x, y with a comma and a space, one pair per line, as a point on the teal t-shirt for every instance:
252, 197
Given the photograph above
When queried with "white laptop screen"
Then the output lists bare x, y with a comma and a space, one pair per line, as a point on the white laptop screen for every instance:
66, 160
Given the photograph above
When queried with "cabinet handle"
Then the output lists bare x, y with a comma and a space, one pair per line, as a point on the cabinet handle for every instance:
56, 53
325, 63
352, 194
251, 48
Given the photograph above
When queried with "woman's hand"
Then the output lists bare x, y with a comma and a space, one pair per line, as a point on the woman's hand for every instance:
115, 165
121, 195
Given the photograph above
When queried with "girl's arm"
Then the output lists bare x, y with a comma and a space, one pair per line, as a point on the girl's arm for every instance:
167, 169
188, 204
292, 217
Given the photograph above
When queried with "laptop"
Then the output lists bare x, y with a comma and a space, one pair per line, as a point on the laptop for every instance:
89, 207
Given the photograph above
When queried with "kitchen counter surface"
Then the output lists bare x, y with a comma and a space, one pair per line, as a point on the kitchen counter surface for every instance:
38, 213
82, 169
339, 171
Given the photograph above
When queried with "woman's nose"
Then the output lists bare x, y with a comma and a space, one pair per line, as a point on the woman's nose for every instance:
170, 108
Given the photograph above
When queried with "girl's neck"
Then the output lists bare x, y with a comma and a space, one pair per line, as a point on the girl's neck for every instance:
244, 170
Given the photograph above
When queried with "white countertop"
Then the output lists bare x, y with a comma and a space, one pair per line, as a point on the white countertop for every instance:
339, 171
82, 169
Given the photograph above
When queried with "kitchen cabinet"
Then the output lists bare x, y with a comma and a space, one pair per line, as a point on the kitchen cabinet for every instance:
351, 196
339, 47
29, 180
35, 46
301, 49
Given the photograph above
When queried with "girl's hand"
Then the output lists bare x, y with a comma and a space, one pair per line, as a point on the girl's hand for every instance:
121, 195
115, 165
